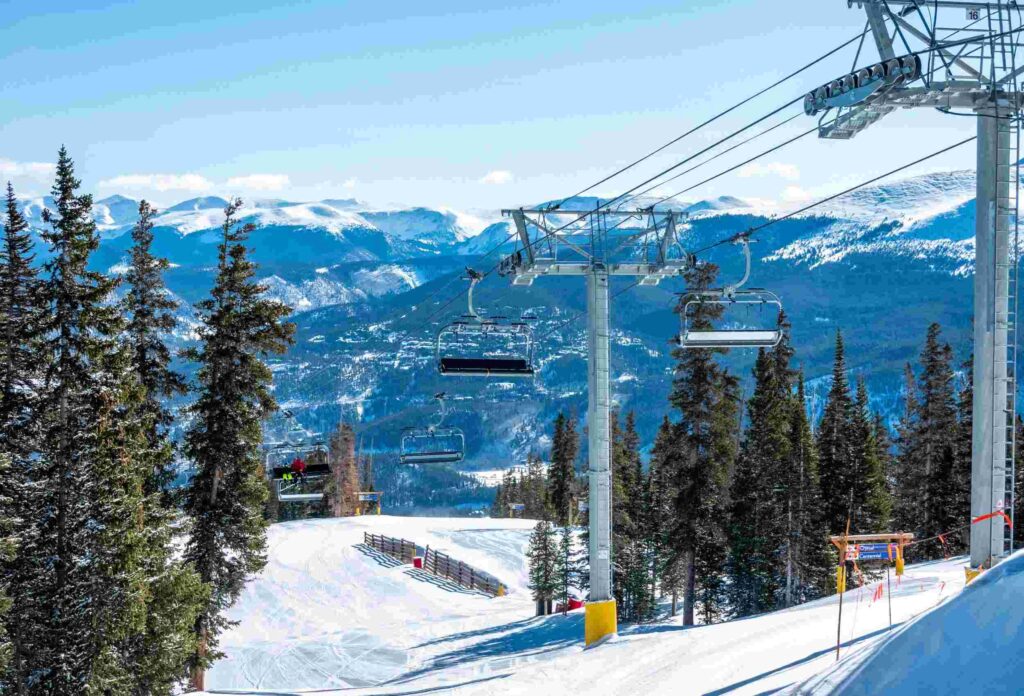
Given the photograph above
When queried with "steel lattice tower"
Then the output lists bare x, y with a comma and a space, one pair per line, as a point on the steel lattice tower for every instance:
960, 58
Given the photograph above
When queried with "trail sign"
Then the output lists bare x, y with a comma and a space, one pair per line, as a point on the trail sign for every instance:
871, 552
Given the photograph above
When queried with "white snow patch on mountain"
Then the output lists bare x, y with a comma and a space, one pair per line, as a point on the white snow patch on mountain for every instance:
309, 294
386, 280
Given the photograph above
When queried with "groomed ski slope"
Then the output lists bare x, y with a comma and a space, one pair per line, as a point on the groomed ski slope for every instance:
324, 617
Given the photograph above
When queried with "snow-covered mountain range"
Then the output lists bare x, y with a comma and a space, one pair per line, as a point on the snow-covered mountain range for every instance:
371, 287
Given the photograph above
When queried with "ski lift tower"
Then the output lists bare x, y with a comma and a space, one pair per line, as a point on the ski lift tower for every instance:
597, 244
960, 58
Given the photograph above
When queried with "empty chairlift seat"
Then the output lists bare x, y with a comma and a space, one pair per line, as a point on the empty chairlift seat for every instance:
485, 349
750, 320
476, 346
433, 444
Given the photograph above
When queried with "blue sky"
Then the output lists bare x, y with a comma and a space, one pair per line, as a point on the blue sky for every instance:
468, 104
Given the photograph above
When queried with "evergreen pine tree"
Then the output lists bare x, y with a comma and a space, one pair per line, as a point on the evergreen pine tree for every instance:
80, 588
562, 475
225, 496
150, 311
542, 554
566, 566
835, 449
659, 527
21, 361
757, 518
940, 445
807, 564
873, 504
906, 480
8, 553
157, 653
20, 329
706, 397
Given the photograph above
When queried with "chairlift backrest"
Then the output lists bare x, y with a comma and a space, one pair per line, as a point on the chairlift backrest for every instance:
433, 444
299, 471
484, 347
765, 333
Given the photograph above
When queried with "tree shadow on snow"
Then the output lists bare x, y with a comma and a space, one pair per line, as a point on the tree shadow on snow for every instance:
813, 656
517, 639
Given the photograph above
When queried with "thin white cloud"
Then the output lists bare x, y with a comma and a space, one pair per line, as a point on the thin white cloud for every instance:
498, 176
32, 170
789, 172
260, 182
159, 182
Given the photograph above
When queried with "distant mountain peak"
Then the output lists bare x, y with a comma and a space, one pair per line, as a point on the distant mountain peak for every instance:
201, 203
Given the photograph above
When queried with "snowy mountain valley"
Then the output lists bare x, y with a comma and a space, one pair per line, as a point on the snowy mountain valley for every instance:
371, 288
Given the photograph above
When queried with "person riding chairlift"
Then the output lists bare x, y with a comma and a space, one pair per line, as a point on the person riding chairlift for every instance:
298, 467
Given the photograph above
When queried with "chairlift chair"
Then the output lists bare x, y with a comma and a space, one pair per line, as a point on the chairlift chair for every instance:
764, 333
299, 471
433, 444
476, 346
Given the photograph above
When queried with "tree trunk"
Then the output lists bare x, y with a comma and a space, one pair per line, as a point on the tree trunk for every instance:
198, 677
690, 588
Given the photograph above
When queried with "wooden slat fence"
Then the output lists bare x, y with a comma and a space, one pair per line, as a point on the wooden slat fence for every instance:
402, 549
444, 566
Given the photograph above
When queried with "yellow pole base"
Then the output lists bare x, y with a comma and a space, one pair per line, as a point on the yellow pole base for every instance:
599, 621
971, 573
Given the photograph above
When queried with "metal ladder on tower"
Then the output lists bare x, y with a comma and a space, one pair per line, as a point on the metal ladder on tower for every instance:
1003, 57
1007, 202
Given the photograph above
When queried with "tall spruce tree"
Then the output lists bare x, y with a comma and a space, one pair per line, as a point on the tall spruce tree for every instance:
806, 546
905, 476
666, 460
835, 447
150, 311
158, 652
706, 397
20, 329
873, 504
630, 582
21, 363
757, 500
930, 494
81, 589
543, 556
565, 446
225, 496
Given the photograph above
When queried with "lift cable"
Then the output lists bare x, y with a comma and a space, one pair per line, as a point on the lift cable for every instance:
747, 233
726, 151
733, 168
712, 119
736, 237
686, 160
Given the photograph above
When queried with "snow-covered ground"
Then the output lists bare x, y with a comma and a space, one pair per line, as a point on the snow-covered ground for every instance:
326, 617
